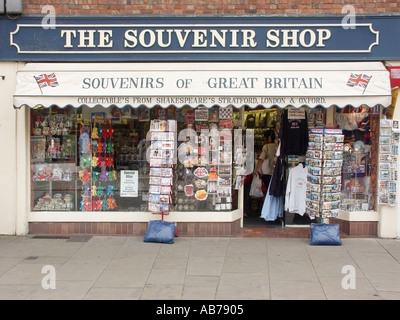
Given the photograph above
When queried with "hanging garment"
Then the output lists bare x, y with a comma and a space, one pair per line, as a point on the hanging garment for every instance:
293, 135
295, 198
276, 184
272, 207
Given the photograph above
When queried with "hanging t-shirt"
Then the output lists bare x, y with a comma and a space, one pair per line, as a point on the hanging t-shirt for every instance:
295, 198
293, 135
250, 121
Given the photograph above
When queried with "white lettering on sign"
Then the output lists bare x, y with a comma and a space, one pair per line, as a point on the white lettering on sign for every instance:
294, 38
201, 38
88, 38
147, 38
209, 38
197, 38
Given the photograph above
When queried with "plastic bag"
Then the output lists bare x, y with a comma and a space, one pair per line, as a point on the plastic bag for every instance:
325, 234
160, 231
256, 187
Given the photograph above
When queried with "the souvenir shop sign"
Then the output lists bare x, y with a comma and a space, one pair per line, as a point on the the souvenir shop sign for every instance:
207, 84
223, 38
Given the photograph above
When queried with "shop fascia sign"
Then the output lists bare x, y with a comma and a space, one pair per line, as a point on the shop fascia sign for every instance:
197, 38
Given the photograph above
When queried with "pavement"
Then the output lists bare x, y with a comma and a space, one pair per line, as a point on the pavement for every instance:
197, 268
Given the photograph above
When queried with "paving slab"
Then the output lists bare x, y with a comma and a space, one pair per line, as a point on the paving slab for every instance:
197, 268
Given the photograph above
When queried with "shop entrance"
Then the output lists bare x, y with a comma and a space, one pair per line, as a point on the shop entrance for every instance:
330, 166
269, 138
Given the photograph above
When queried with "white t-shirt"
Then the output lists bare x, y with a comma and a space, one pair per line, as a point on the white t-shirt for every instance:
295, 198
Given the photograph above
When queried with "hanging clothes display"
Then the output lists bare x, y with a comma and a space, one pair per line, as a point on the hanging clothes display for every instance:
294, 132
272, 207
293, 140
276, 184
295, 197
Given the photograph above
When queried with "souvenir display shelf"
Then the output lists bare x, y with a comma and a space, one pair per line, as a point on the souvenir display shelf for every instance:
53, 168
388, 162
162, 160
324, 160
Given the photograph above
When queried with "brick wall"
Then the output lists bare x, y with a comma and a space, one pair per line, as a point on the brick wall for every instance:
209, 7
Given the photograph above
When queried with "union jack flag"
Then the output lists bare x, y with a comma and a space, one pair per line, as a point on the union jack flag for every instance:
360, 80
45, 80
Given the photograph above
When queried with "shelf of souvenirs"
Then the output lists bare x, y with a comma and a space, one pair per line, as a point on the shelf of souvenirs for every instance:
65, 171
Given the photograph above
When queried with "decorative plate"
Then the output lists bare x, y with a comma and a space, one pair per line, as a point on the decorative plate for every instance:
201, 195
200, 172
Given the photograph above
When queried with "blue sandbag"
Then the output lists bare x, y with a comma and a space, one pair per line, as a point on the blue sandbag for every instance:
160, 231
325, 234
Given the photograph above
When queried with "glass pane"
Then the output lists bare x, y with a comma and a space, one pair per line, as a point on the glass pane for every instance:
98, 159
53, 157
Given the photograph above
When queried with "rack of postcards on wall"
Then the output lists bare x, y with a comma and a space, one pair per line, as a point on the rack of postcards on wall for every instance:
388, 161
324, 160
162, 158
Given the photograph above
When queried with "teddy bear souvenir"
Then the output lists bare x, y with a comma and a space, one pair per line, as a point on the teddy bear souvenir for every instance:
95, 134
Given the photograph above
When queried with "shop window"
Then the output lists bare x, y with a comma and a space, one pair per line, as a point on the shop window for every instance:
359, 181
99, 159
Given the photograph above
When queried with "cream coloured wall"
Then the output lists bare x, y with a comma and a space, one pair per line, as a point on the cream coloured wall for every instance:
8, 149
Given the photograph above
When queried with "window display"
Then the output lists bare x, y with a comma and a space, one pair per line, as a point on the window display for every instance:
97, 173
356, 183
53, 154
111, 159
204, 178
359, 155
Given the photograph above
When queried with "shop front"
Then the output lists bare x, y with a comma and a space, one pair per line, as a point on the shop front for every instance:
116, 144
104, 147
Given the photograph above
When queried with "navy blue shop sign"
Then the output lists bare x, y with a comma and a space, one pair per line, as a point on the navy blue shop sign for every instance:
223, 38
